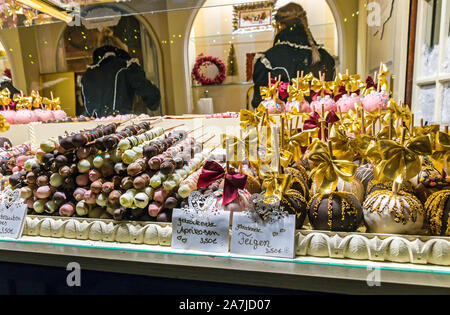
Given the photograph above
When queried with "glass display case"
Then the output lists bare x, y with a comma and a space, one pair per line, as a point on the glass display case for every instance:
197, 67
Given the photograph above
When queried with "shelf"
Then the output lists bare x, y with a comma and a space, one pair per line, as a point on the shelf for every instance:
301, 273
225, 84
242, 34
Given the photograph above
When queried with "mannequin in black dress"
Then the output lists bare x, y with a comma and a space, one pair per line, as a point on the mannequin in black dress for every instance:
294, 49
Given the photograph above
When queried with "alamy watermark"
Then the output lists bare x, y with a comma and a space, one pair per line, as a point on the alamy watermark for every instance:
73, 279
373, 277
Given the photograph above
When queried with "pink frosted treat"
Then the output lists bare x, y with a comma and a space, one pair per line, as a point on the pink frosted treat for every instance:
274, 107
327, 101
45, 115
23, 116
10, 115
346, 103
302, 107
375, 100
59, 114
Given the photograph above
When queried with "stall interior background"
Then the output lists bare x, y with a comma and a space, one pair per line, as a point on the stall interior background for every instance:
52, 57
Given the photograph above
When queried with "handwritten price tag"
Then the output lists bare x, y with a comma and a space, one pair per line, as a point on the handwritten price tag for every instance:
200, 232
252, 236
12, 214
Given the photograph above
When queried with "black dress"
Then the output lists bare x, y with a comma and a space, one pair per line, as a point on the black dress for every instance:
110, 84
290, 53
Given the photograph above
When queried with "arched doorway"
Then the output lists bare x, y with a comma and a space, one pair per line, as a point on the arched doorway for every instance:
212, 34
79, 42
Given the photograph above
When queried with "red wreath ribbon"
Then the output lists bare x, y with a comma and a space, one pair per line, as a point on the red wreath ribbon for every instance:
201, 78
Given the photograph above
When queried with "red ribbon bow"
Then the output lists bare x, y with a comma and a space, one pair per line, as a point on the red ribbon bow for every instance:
283, 89
370, 83
314, 122
212, 171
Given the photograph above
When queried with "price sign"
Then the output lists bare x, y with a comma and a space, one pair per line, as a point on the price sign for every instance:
12, 214
272, 237
195, 230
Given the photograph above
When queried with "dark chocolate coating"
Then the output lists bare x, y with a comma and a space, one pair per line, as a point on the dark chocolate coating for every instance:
295, 205
320, 219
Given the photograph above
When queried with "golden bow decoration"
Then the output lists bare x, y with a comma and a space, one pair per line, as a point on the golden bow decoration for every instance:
344, 147
373, 116
275, 184
37, 99
5, 97
351, 122
301, 139
382, 78
328, 170
299, 89
263, 114
401, 162
248, 118
4, 125
351, 83
269, 92
52, 104
397, 112
319, 86
431, 130
441, 157
23, 101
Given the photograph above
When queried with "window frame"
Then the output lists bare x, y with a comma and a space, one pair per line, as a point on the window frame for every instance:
440, 79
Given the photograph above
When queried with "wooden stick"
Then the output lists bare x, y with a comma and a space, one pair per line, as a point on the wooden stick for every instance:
209, 139
296, 122
390, 127
282, 132
421, 122
446, 129
380, 120
270, 80
363, 123
174, 127
193, 130
373, 129
322, 124
340, 112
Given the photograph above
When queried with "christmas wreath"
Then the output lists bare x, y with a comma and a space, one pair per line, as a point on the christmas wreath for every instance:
206, 61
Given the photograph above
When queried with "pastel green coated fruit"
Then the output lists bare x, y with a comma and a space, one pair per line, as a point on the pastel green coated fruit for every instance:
102, 200
141, 200
96, 212
155, 181
56, 180
184, 191
124, 145
84, 166
47, 146
169, 185
50, 206
39, 205
26, 192
126, 200
98, 162
129, 156
82, 208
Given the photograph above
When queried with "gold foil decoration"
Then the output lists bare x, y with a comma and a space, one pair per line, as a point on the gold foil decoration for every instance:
299, 88
401, 162
351, 83
319, 86
328, 170
4, 125
52, 104
441, 157
382, 78
5, 97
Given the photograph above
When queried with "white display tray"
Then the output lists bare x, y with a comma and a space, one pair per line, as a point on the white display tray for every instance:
339, 245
